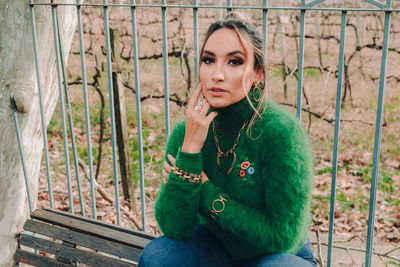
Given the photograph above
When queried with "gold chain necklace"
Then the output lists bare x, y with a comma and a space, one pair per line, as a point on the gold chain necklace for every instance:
231, 151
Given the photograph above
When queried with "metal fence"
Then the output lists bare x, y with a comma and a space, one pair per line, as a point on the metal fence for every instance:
65, 105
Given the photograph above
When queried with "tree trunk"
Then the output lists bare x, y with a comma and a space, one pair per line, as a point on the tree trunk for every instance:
18, 77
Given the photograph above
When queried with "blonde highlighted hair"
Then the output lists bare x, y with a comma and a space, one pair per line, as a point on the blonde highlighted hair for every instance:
249, 37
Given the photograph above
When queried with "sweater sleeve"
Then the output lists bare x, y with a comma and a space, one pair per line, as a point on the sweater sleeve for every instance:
178, 202
282, 226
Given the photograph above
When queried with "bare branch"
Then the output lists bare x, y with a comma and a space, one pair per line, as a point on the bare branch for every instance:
109, 198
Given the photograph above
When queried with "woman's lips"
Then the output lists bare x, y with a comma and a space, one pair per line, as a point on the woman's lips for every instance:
216, 91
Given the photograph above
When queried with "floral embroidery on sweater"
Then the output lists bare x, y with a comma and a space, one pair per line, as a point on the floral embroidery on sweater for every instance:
246, 171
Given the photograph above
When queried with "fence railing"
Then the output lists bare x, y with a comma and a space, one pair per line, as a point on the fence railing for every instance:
66, 109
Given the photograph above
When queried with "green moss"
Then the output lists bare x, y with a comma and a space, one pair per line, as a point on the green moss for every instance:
324, 170
311, 72
277, 71
385, 183
343, 201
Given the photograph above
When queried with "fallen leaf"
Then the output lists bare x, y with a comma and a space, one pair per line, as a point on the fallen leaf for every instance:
396, 179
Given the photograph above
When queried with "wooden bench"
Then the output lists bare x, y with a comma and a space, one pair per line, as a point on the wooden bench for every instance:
63, 239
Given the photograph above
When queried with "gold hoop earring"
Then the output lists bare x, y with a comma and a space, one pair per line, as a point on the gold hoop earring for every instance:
258, 92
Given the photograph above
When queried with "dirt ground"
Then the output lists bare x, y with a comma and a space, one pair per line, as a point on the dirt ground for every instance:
351, 253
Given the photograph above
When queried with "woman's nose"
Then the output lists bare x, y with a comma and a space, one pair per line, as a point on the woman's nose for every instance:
218, 75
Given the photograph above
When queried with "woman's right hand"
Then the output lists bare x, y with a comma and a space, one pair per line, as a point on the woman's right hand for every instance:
197, 123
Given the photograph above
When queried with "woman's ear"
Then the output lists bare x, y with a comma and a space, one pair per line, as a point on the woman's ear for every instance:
260, 75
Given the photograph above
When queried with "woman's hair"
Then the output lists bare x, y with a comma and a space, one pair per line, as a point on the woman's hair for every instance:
249, 37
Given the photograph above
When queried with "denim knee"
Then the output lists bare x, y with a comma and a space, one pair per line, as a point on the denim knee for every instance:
165, 251
157, 253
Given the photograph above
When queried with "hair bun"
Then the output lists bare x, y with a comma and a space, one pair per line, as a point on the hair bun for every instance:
238, 15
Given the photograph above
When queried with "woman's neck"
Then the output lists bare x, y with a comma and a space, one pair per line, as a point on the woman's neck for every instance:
232, 118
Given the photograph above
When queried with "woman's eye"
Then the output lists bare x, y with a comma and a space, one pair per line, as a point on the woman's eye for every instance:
236, 62
207, 60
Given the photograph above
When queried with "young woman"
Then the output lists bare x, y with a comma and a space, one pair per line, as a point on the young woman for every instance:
239, 167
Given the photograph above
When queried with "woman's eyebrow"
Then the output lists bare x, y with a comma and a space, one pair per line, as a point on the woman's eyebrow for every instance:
229, 54
208, 52
235, 52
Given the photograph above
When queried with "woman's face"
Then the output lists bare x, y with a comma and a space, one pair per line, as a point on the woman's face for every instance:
223, 67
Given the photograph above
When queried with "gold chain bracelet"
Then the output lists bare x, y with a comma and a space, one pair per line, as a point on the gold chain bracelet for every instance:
193, 178
215, 210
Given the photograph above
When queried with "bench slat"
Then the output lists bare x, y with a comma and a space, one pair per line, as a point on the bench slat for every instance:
108, 225
87, 226
69, 253
37, 260
85, 240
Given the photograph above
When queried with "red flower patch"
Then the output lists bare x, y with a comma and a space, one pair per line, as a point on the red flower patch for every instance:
245, 165
242, 173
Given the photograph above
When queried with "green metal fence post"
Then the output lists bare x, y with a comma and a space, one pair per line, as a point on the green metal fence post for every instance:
69, 116
21, 153
165, 64
378, 133
138, 112
336, 135
265, 29
43, 120
86, 104
62, 109
301, 59
112, 113
229, 4
195, 40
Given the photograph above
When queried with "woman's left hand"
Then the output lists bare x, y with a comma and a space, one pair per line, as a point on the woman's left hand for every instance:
167, 170
197, 121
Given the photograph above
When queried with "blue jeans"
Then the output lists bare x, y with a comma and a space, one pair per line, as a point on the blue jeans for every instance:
203, 249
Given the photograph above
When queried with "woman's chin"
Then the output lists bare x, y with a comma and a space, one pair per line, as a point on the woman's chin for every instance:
216, 104
219, 103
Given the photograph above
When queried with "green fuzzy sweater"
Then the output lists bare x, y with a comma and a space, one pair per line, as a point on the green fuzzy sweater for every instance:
268, 210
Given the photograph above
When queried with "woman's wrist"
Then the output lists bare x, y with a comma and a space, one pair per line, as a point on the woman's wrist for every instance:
189, 162
190, 148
